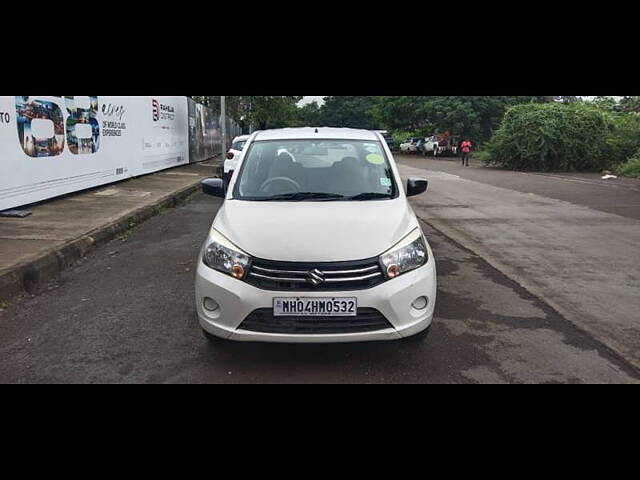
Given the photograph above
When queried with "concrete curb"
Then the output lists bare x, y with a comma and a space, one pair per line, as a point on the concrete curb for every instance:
27, 277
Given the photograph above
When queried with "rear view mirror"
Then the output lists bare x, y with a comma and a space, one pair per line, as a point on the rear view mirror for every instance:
214, 187
416, 186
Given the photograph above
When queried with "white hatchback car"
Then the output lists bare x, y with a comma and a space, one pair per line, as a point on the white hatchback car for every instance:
315, 242
233, 156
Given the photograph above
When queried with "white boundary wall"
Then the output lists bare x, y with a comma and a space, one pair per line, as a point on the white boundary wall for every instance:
51, 146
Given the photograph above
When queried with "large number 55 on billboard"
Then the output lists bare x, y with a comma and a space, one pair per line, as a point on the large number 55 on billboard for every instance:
32, 113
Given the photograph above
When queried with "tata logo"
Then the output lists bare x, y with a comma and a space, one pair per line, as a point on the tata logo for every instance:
156, 110
315, 277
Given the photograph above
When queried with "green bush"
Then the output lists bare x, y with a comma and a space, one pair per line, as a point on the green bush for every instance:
401, 137
481, 155
631, 168
544, 137
624, 137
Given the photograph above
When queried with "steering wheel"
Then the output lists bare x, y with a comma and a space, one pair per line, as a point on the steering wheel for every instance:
288, 180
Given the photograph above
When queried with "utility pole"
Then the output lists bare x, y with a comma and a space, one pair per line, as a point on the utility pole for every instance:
223, 120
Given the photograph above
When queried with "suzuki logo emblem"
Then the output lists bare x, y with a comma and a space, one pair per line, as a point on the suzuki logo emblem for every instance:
315, 277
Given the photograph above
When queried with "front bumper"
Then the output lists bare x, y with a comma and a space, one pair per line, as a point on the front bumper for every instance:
392, 299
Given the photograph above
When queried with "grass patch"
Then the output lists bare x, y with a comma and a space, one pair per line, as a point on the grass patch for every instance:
189, 198
4, 304
131, 225
631, 168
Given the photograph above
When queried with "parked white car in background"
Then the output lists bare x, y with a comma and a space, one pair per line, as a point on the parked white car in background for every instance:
315, 242
431, 146
410, 146
233, 156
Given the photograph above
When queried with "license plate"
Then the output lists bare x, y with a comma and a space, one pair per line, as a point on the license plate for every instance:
315, 307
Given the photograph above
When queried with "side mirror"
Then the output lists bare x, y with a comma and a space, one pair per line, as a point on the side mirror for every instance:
214, 187
416, 186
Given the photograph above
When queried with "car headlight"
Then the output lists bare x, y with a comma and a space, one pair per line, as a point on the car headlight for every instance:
409, 254
224, 256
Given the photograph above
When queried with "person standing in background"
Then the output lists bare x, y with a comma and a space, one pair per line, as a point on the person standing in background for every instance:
466, 150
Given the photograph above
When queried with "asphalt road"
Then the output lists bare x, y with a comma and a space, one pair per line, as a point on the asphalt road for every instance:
569, 239
125, 314
620, 196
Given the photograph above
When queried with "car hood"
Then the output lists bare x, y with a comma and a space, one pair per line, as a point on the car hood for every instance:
315, 231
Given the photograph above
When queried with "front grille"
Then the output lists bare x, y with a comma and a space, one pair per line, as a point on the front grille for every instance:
263, 321
311, 277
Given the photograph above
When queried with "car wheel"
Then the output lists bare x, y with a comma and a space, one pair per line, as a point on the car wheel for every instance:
419, 337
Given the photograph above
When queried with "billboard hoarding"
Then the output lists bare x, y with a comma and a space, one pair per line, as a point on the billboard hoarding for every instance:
54, 145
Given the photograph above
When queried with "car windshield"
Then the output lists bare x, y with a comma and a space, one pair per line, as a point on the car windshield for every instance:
238, 146
315, 170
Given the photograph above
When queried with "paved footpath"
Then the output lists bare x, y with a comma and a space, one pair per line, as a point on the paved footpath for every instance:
36, 248
537, 229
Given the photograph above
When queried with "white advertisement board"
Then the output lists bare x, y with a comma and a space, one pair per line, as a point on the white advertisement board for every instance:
54, 145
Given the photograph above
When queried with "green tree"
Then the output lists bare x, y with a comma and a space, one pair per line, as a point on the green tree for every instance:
401, 113
606, 103
235, 105
309, 115
475, 117
630, 104
345, 111
624, 135
539, 99
569, 99
265, 112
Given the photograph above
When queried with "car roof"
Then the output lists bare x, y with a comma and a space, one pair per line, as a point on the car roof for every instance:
241, 138
320, 133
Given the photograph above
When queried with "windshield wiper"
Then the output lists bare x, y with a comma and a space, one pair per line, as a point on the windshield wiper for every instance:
299, 196
369, 196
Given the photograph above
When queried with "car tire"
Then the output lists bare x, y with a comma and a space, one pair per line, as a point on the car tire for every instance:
419, 337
